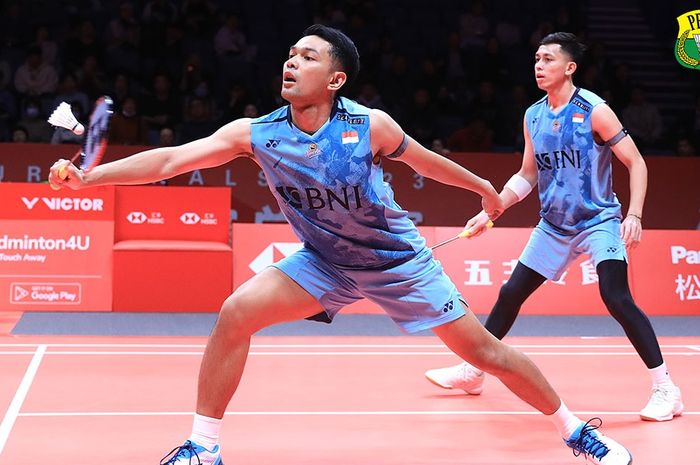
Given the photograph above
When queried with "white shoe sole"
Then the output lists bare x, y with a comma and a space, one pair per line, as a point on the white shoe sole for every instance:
472, 392
676, 413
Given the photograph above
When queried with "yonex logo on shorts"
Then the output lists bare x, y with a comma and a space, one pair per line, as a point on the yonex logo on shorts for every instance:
448, 306
611, 249
272, 143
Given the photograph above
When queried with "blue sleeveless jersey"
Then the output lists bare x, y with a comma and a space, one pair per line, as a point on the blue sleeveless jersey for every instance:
574, 172
331, 192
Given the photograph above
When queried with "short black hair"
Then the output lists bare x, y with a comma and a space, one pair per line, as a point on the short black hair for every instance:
568, 42
343, 49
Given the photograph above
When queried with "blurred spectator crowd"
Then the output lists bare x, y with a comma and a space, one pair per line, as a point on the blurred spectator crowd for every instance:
457, 75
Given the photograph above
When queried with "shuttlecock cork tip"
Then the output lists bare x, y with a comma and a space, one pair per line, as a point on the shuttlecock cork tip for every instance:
78, 130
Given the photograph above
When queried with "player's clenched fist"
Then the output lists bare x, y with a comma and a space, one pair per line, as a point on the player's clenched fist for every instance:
64, 174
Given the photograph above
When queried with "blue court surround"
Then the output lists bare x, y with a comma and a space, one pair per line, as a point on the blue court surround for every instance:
200, 324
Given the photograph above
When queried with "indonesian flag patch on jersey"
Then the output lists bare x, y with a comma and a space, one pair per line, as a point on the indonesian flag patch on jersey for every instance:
577, 118
350, 137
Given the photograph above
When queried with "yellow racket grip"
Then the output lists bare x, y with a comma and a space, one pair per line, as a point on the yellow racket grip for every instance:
468, 232
63, 174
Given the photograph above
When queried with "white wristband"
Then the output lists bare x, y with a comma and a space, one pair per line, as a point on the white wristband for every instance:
519, 185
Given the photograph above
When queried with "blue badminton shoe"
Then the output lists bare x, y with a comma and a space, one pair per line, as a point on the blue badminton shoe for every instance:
597, 448
191, 453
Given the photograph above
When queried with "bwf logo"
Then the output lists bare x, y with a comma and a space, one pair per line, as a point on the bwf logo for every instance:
189, 218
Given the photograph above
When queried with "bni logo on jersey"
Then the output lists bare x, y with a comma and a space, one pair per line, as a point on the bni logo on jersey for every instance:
687, 48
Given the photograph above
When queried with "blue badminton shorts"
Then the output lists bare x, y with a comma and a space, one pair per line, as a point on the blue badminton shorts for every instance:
550, 253
416, 294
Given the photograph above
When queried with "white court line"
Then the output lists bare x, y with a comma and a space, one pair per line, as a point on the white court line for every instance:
322, 413
338, 354
340, 346
13, 410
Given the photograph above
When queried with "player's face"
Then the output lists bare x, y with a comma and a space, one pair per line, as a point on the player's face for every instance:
308, 71
552, 66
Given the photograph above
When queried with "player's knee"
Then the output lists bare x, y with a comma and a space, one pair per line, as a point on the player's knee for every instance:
616, 300
510, 295
233, 317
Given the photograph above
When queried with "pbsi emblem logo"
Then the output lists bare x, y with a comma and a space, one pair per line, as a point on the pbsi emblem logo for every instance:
687, 48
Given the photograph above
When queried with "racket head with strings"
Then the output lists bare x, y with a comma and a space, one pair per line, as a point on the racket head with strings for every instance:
96, 136
95, 142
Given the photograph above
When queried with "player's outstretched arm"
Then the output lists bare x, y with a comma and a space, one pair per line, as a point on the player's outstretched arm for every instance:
608, 127
389, 140
227, 143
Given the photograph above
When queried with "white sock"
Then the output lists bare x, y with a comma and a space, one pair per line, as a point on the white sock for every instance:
565, 421
205, 431
660, 376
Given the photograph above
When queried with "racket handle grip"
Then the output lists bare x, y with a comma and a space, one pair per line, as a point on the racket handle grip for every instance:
468, 232
63, 172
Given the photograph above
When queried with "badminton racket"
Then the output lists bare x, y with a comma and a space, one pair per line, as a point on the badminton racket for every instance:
95, 141
465, 233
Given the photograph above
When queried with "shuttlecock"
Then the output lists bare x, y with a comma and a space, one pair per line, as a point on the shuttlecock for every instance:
63, 117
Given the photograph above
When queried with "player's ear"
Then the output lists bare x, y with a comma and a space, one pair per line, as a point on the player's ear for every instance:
570, 68
337, 80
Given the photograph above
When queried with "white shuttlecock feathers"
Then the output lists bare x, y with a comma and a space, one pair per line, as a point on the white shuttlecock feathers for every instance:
63, 117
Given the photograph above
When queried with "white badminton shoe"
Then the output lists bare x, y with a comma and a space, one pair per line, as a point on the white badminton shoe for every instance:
597, 448
664, 403
191, 453
462, 376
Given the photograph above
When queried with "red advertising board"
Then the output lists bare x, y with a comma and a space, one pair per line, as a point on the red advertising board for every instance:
55, 248
22, 201
172, 213
664, 269
666, 272
172, 250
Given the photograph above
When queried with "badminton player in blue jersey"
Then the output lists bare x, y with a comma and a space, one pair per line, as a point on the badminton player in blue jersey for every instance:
570, 137
322, 156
